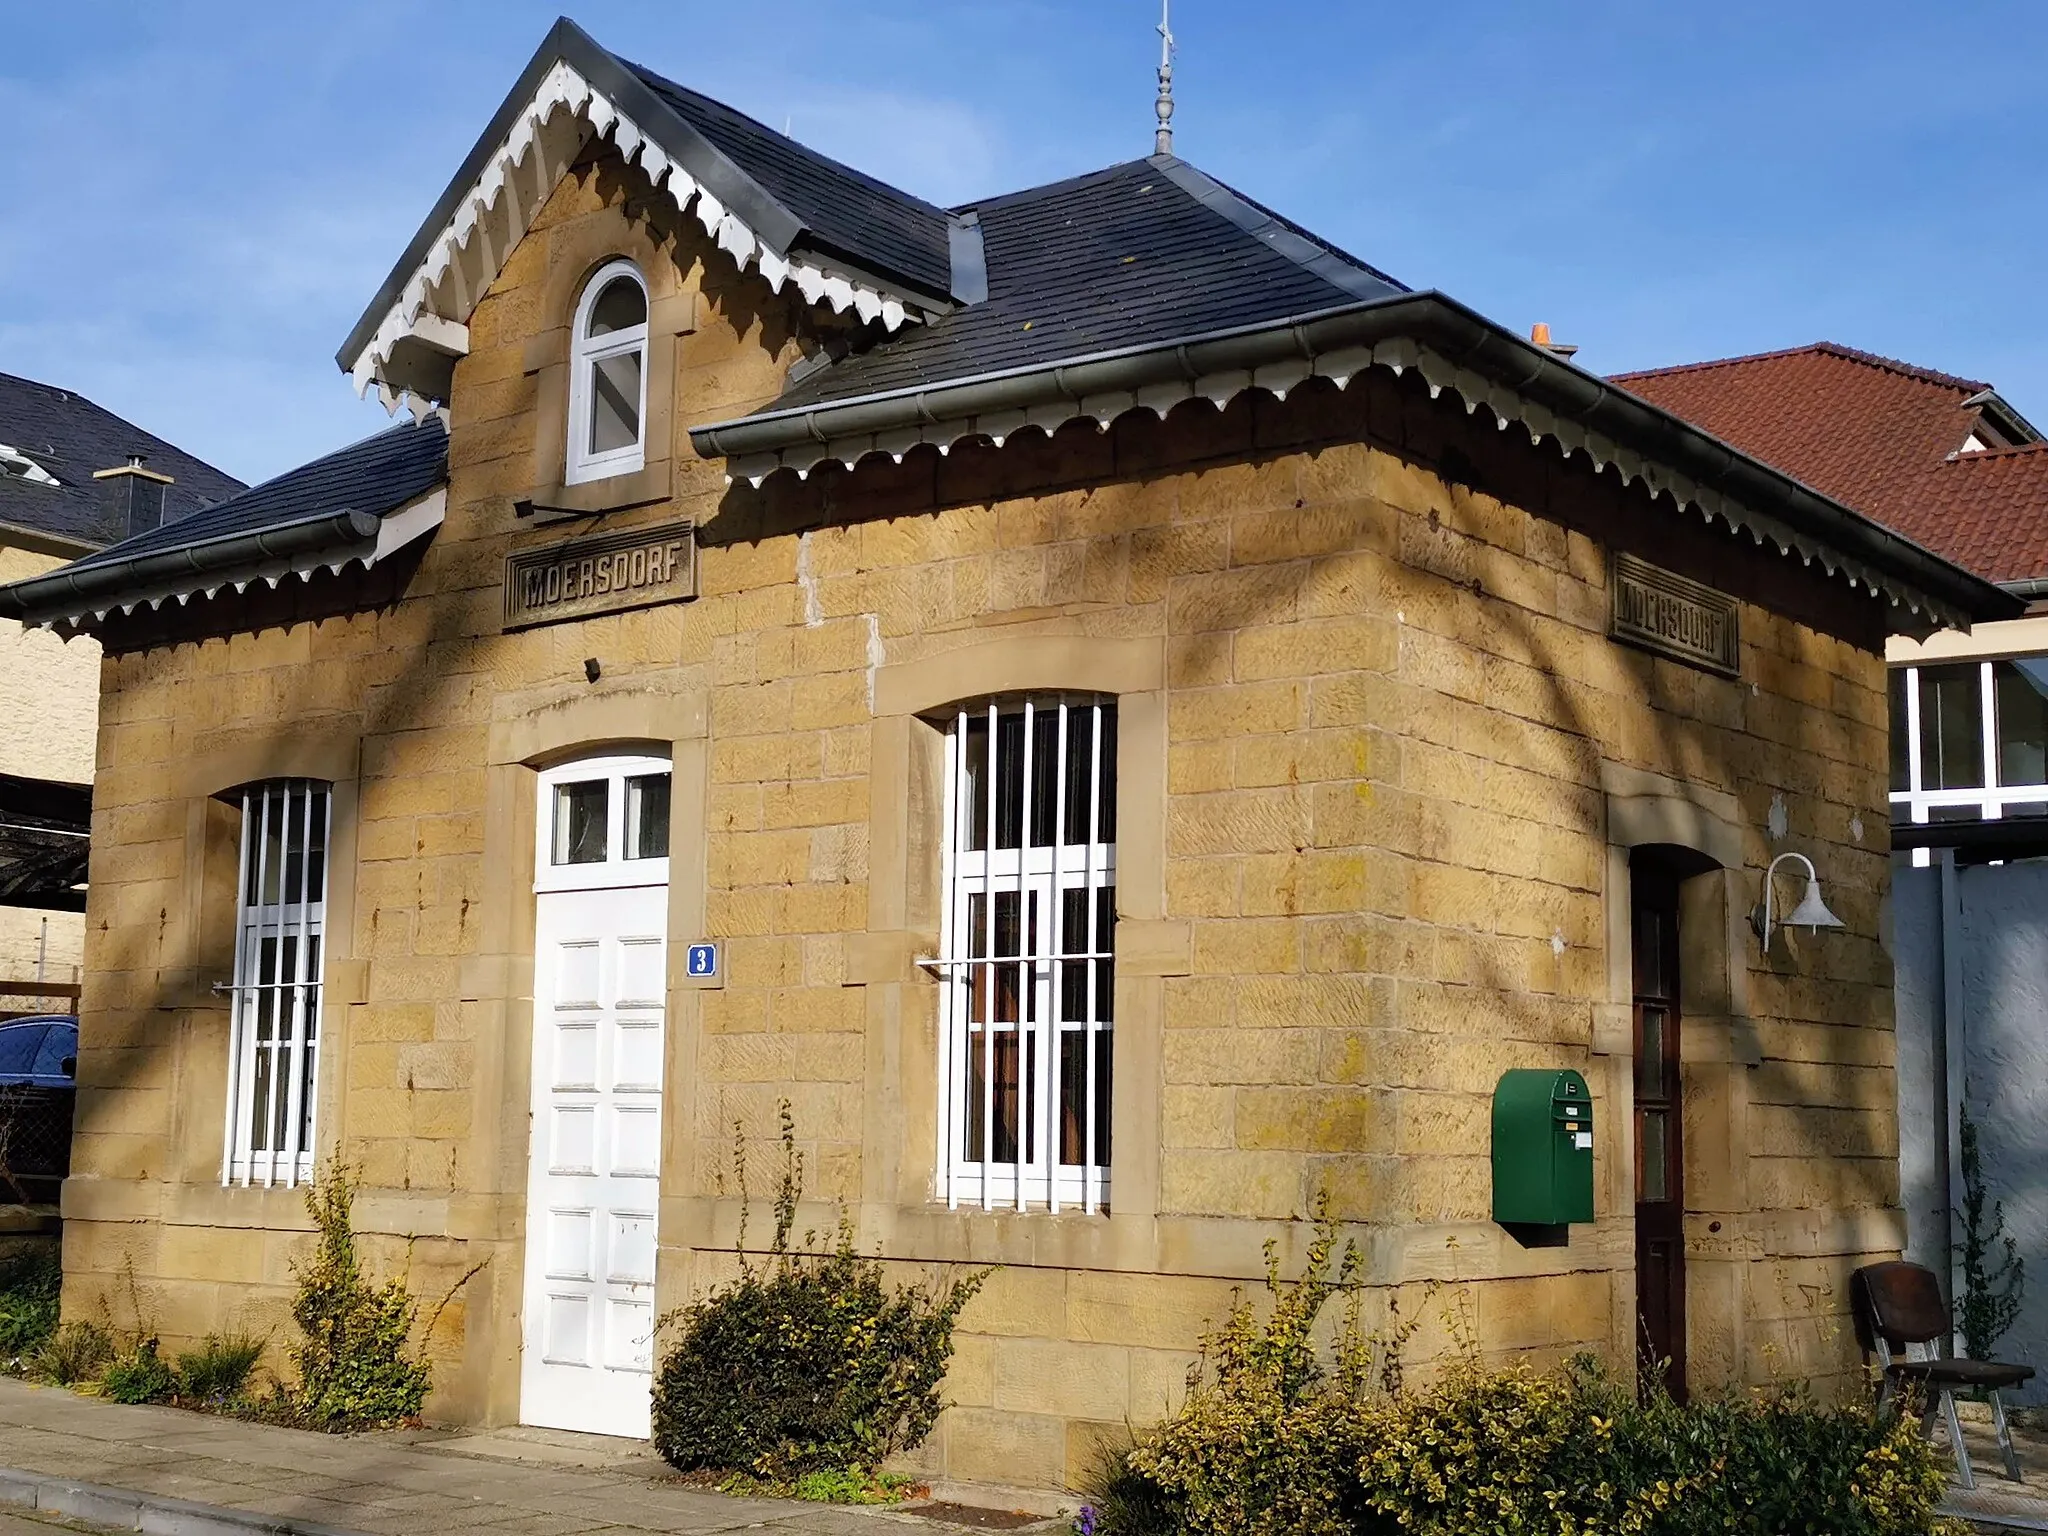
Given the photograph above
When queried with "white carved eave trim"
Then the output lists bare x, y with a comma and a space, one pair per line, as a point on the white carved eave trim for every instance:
396, 530
1397, 355
465, 257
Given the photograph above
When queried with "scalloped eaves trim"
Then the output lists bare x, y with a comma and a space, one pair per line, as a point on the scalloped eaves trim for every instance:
396, 530
1397, 355
465, 257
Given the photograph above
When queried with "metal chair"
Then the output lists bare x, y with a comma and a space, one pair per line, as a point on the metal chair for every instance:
1901, 1314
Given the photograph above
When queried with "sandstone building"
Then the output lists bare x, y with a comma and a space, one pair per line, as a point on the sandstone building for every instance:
1123, 715
1949, 462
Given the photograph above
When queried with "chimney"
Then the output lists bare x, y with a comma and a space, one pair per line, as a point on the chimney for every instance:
1540, 334
134, 497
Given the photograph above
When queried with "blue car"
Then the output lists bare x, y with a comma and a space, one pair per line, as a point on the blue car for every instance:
39, 1052
38, 1082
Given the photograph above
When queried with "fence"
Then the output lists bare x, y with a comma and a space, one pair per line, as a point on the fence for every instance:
19, 998
35, 1144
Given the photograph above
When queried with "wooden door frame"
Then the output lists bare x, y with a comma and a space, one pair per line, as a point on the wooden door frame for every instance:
1655, 882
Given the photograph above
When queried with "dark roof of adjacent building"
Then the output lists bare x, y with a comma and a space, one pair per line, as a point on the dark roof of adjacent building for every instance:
1886, 437
1139, 253
375, 476
1988, 512
68, 437
337, 509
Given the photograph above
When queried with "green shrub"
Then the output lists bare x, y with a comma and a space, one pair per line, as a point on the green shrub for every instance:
1277, 1437
808, 1363
140, 1375
1994, 1275
355, 1365
218, 1370
30, 1282
74, 1353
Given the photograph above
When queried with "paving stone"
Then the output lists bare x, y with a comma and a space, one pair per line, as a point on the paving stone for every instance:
379, 1484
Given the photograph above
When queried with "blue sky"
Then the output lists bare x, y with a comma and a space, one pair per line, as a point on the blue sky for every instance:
206, 195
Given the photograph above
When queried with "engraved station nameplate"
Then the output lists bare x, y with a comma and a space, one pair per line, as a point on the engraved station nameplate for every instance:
1661, 611
607, 573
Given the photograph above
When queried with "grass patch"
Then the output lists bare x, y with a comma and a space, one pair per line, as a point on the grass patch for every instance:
825, 1485
73, 1355
30, 1282
216, 1373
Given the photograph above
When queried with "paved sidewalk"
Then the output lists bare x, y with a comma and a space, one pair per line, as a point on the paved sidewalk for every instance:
501, 1483
1997, 1503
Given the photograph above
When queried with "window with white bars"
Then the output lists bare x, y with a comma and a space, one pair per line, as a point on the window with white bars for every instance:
1027, 954
280, 923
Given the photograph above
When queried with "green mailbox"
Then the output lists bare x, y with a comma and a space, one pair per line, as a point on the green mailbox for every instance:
1542, 1149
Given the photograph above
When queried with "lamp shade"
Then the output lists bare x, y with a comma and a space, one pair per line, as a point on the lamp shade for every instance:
1812, 912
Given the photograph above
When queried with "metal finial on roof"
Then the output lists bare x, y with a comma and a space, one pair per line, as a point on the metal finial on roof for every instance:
1162, 143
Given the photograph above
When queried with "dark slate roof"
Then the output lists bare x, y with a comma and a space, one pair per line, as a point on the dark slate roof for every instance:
1139, 254
793, 198
843, 210
375, 476
70, 437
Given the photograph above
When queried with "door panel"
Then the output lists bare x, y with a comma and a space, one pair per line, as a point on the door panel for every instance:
1659, 1155
599, 973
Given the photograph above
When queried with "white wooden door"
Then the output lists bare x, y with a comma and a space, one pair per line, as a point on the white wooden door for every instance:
599, 995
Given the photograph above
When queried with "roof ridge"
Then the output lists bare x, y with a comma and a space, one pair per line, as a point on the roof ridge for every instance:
1043, 189
55, 389
1821, 348
794, 143
2017, 450
1183, 170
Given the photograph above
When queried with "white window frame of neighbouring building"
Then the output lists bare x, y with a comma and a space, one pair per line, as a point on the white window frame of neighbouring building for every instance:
1027, 944
597, 361
1969, 739
280, 940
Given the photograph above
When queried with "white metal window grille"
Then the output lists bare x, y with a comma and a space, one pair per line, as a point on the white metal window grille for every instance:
281, 913
1027, 954
608, 376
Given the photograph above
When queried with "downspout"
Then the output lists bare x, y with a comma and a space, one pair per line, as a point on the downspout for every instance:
1952, 1041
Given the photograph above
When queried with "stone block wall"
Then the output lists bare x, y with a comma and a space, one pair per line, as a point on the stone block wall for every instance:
1378, 738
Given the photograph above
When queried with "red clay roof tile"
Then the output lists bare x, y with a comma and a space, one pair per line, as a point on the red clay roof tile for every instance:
1882, 436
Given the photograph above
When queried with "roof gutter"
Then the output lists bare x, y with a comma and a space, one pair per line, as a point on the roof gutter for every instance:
1462, 337
74, 589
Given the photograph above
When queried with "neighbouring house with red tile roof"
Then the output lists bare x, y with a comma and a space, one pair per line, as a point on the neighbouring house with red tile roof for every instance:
1947, 462
1944, 460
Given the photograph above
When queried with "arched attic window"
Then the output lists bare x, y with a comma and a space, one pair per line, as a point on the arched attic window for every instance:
608, 376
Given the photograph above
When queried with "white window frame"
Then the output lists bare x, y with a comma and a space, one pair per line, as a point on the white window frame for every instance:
585, 353
967, 1174
278, 984
615, 870
1993, 799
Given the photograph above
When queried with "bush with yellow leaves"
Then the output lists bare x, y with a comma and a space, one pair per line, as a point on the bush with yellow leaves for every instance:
1281, 1436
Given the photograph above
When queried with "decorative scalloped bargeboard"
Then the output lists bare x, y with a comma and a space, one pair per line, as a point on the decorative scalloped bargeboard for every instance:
491, 219
1397, 355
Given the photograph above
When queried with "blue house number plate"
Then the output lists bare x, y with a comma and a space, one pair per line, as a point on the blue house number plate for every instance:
703, 959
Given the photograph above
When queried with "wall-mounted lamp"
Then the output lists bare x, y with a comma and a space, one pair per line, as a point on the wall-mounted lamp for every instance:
1811, 913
